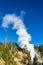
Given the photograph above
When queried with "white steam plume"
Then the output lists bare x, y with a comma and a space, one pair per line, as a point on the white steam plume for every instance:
23, 36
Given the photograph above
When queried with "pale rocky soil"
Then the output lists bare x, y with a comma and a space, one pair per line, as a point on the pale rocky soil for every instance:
20, 58
2, 62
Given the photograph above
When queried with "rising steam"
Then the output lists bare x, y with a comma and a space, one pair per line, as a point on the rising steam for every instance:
23, 37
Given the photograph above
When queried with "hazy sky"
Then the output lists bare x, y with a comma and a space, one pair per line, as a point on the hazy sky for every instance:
33, 19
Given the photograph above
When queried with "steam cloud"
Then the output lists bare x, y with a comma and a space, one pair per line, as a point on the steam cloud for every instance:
23, 37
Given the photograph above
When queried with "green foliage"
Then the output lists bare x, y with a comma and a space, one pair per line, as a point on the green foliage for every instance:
14, 63
28, 58
1, 49
5, 53
6, 56
41, 50
1, 46
23, 61
36, 47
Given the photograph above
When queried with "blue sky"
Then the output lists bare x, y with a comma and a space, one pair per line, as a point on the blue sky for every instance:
33, 19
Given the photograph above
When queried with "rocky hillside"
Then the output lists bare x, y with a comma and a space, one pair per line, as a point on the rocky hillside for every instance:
12, 54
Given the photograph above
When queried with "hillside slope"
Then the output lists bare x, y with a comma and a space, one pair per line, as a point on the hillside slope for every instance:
11, 54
